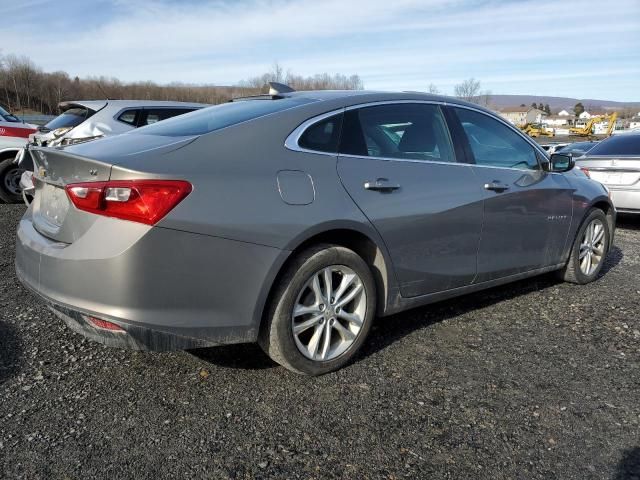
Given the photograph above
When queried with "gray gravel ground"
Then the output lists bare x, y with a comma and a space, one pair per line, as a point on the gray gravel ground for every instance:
538, 379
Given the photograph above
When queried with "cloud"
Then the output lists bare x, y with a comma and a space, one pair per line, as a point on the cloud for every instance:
510, 46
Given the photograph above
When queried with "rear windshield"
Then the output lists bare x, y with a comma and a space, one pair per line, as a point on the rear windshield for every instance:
7, 117
628, 144
217, 117
71, 118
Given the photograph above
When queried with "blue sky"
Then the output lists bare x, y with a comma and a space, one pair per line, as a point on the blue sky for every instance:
584, 49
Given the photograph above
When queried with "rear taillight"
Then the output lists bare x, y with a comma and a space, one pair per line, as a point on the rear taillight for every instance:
585, 171
144, 201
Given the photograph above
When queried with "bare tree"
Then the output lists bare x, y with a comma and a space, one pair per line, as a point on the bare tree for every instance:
468, 90
433, 89
24, 85
483, 98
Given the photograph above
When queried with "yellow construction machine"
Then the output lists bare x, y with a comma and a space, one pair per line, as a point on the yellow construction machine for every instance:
537, 130
587, 130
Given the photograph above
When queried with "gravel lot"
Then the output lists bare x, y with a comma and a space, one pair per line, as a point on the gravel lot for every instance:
538, 379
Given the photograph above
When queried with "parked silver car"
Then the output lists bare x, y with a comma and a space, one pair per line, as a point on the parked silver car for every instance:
292, 219
616, 163
86, 120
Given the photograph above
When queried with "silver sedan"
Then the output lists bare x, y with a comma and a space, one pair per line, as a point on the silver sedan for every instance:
293, 219
615, 162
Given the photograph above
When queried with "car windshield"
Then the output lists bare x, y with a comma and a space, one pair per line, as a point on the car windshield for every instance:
619, 145
70, 118
7, 117
217, 117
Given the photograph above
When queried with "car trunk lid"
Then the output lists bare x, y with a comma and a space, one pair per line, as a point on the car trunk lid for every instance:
620, 171
53, 214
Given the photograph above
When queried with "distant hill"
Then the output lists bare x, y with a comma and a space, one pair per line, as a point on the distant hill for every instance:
560, 103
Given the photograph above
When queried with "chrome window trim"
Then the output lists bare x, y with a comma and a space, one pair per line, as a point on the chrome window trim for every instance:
291, 142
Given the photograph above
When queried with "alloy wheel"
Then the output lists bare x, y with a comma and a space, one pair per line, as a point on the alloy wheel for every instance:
592, 247
329, 313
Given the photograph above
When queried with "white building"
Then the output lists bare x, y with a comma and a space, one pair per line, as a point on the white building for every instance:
584, 115
564, 113
558, 120
521, 116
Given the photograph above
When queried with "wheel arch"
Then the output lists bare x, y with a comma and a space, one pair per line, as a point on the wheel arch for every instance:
8, 153
604, 204
366, 244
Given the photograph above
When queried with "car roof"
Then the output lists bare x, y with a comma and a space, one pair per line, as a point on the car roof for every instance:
354, 97
119, 104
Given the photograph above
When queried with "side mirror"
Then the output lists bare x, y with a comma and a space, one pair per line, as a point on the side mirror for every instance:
561, 162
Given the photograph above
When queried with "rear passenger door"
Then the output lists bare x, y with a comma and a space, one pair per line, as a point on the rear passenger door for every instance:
527, 211
399, 165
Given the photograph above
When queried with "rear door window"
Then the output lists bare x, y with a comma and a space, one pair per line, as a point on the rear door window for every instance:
402, 131
323, 136
494, 144
129, 117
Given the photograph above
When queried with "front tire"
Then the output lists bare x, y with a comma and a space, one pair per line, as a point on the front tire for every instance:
589, 249
321, 311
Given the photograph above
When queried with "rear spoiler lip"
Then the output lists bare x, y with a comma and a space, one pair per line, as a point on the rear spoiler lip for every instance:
41, 172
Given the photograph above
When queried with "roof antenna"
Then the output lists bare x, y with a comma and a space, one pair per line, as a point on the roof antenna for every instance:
276, 88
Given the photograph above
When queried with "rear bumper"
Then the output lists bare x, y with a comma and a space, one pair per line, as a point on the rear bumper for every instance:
625, 201
167, 289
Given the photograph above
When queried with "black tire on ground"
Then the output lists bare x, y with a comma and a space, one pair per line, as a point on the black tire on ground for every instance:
572, 272
276, 336
9, 180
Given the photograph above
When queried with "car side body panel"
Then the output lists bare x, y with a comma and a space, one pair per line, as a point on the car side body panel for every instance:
206, 270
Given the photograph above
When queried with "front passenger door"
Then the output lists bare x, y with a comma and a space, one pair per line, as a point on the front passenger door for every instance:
527, 211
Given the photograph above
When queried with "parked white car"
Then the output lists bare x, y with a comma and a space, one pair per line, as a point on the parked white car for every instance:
14, 135
84, 121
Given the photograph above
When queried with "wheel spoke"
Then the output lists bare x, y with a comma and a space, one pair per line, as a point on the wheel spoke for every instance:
350, 317
345, 283
326, 344
598, 236
305, 309
315, 285
347, 334
312, 347
588, 266
328, 283
598, 250
350, 296
584, 249
298, 328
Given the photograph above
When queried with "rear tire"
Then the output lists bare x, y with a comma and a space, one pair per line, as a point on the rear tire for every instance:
311, 329
589, 249
10, 175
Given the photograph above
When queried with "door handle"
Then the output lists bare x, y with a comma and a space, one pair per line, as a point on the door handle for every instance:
381, 185
496, 186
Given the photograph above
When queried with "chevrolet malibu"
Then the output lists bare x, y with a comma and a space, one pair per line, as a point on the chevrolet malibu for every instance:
293, 219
